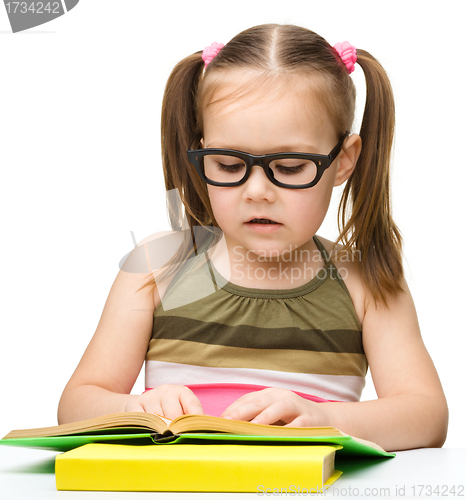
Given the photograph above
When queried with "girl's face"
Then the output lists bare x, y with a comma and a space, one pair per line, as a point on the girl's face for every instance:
272, 123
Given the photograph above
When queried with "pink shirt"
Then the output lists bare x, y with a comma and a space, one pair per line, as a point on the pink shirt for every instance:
215, 398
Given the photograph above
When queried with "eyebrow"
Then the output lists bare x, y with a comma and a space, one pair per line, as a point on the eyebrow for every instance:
295, 148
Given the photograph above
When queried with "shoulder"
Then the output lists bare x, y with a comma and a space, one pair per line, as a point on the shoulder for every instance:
371, 315
348, 267
158, 246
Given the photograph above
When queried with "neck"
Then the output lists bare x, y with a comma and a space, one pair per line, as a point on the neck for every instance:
290, 268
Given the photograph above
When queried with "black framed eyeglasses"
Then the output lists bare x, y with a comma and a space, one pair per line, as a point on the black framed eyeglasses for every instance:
228, 168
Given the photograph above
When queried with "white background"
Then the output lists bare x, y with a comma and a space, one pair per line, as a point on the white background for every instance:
80, 101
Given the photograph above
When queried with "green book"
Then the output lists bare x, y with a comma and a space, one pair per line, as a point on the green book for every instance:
146, 428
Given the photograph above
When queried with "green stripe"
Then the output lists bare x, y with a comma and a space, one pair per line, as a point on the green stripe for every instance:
291, 361
328, 310
179, 328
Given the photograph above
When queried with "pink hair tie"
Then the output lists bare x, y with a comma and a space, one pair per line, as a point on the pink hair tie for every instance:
211, 51
348, 54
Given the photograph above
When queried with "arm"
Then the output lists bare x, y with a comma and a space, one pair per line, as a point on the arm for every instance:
102, 382
111, 363
411, 411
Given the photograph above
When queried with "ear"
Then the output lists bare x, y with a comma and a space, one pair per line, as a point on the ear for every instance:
348, 158
202, 143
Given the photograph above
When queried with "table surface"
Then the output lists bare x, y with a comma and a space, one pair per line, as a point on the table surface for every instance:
430, 472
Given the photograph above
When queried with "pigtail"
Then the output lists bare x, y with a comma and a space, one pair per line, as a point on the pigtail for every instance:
370, 229
180, 131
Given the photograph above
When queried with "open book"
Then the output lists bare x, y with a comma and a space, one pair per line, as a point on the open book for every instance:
131, 426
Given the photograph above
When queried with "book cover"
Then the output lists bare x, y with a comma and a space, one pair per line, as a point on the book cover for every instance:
195, 468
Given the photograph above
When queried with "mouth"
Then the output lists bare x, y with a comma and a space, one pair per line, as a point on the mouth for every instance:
262, 221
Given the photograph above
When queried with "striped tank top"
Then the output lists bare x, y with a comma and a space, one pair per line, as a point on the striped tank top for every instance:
223, 340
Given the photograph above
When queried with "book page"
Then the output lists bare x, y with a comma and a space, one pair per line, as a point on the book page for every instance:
166, 420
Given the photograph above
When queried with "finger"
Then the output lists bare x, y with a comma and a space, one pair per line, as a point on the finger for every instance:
248, 411
149, 401
171, 407
143, 404
190, 403
134, 406
151, 406
251, 403
235, 406
284, 410
301, 421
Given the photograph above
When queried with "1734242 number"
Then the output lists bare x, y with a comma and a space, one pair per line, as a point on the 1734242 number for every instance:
33, 7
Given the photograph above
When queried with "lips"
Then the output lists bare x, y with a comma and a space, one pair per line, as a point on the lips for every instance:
262, 221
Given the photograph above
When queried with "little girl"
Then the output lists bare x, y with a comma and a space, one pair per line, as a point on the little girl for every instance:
255, 135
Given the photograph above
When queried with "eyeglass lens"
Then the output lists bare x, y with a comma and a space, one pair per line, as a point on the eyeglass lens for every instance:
223, 168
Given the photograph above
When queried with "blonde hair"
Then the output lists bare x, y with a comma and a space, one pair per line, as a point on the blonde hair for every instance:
275, 52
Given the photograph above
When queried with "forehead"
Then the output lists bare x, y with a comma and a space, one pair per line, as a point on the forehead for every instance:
258, 115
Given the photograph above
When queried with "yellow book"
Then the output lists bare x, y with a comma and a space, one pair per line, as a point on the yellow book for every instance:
192, 467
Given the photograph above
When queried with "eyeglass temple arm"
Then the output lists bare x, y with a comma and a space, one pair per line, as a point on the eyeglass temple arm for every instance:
195, 140
336, 150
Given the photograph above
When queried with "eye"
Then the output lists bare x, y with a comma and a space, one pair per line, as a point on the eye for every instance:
224, 168
230, 168
290, 170
302, 171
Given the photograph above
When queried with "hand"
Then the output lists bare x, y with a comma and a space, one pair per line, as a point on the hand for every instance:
279, 407
170, 401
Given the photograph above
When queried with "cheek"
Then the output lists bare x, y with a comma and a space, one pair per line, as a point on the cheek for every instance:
221, 202
313, 207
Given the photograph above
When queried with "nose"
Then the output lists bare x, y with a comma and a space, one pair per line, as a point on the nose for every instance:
258, 185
